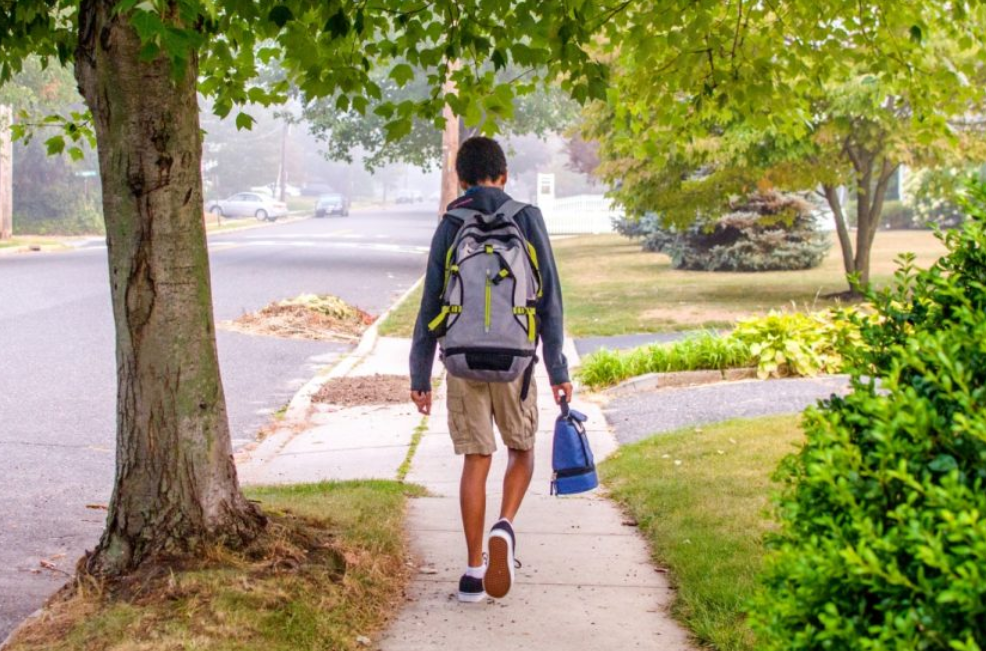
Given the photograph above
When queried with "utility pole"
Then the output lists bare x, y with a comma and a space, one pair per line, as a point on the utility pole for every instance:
6, 174
282, 179
450, 146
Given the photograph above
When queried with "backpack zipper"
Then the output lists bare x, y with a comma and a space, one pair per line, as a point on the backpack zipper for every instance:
489, 300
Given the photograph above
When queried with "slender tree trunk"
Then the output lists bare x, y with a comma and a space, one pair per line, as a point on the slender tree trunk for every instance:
869, 213
175, 485
450, 147
841, 228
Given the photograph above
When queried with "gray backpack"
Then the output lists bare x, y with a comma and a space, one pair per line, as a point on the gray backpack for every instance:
488, 326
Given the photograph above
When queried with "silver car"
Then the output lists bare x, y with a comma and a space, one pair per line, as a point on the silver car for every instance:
250, 204
332, 204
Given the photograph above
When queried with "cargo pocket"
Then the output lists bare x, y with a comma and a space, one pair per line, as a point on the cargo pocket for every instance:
530, 410
457, 426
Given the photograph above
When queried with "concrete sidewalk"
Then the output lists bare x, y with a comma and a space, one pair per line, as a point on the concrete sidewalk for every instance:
329, 442
587, 580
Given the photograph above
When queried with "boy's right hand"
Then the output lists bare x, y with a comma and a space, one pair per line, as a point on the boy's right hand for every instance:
422, 399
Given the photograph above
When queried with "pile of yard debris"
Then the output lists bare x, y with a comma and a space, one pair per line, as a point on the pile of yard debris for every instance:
359, 390
309, 316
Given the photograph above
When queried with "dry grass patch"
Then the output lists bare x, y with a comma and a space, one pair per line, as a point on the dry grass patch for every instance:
611, 287
309, 316
331, 569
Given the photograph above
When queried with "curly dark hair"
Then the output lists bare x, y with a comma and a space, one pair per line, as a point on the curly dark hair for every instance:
480, 159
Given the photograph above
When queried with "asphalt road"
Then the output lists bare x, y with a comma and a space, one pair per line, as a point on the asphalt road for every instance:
57, 368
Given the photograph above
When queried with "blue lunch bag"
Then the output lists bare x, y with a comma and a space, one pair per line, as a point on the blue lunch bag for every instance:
571, 458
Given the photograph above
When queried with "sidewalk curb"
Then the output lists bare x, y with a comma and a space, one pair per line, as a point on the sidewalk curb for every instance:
685, 379
296, 415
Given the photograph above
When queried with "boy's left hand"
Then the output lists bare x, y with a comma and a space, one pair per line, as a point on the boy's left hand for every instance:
559, 390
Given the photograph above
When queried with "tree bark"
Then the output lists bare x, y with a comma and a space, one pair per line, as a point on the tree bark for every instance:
450, 147
841, 228
175, 486
869, 213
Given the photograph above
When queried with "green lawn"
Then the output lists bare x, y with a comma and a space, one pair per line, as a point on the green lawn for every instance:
400, 323
331, 568
612, 287
700, 498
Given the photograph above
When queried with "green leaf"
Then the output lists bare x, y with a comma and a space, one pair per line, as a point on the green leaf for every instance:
55, 145
337, 25
397, 129
244, 121
499, 60
943, 463
280, 15
916, 34
402, 73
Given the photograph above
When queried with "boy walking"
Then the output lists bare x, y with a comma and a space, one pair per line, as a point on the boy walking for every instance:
486, 232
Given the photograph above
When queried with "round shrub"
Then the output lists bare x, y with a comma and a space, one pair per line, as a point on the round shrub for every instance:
764, 232
882, 539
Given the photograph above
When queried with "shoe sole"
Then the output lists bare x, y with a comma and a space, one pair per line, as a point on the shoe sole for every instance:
500, 573
471, 597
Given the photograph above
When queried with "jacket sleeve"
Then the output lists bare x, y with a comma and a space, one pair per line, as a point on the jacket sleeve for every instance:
423, 345
549, 308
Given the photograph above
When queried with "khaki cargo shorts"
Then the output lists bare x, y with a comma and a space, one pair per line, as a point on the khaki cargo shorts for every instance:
474, 406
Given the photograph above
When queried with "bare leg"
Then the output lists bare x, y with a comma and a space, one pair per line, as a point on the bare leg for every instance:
520, 469
472, 502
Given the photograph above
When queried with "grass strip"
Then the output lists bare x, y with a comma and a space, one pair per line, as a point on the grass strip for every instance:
405, 466
329, 569
706, 351
700, 498
400, 322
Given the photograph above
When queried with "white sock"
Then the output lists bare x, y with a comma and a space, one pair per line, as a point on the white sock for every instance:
476, 572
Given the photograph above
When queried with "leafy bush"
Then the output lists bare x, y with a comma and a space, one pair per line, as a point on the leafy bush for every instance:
764, 232
777, 344
882, 544
799, 344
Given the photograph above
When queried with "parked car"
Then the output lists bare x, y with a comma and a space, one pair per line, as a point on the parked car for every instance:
408, 196
250, 204
332, 204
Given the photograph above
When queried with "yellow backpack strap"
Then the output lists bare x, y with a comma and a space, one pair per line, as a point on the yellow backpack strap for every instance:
531, 320
438, 320
446, 310
532, 252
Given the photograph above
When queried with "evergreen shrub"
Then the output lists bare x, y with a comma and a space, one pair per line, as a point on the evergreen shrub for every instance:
763, 232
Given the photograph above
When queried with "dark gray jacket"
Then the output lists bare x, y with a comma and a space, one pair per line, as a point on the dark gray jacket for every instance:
549, 309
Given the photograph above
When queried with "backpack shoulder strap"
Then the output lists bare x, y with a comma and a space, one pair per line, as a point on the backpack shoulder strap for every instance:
511, 209
462, 215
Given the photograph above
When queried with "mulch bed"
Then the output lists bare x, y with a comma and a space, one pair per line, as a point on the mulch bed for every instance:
365, 390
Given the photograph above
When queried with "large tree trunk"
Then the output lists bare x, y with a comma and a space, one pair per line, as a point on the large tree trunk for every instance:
176, 484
